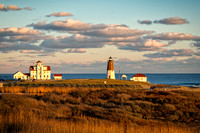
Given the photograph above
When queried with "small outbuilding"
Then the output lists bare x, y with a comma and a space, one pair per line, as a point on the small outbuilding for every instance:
124, 77
139, 77
57, 76
21, 76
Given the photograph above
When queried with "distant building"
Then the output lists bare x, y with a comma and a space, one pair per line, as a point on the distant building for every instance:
1, 84
21, 76
110, 69
139, 77
40, 72
57, 76
124, 77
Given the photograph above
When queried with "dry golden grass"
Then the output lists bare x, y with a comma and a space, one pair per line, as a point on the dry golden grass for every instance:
95, 110
28, 122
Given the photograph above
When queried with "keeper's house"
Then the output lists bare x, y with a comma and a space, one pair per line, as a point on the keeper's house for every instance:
38, 72
139, 77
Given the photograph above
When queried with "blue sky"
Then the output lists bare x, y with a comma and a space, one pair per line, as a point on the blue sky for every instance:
148, 36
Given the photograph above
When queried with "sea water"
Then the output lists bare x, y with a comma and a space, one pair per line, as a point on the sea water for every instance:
169, 79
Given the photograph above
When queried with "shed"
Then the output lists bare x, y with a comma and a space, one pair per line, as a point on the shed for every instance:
57, 76
139, 77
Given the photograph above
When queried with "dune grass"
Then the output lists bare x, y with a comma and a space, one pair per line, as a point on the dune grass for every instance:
81, 109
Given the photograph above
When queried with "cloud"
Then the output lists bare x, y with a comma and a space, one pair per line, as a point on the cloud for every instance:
20, 35
74, 41
147, 22
97, 30
76, 50
174, 36
167, 21
66, 25
197, 53
16, 47
14, 39
172, 21
170, 53
59, 14
13, 8
143, 45
32, 51
17, 31
28, 8
114, 30
2, 7
196, 44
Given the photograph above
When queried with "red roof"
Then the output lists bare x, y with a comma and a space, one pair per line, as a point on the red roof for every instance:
60, 75
28, 74
139, 75
31, 68
48, 67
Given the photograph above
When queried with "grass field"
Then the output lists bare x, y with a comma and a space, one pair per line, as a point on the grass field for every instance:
76, 83
96, 109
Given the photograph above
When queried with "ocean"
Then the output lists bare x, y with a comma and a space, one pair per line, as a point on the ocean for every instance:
169, 79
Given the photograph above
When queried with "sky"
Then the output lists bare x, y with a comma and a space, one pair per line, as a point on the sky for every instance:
78, 36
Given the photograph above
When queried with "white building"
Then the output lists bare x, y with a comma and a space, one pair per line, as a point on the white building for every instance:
57, 76
21, 76
124, 77
139, 77
40, 72
110, 69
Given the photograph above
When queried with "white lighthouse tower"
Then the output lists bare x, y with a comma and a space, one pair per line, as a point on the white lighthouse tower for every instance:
110, 69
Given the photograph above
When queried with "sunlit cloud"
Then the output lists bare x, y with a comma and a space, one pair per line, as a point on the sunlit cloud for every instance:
66, 25
170, 53
76, 50
59, 14
32, 51
166, 21
13, 8
172, 21
174, 36
114, 30
144, 45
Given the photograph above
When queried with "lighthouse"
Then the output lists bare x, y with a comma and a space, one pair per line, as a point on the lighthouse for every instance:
110, 69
